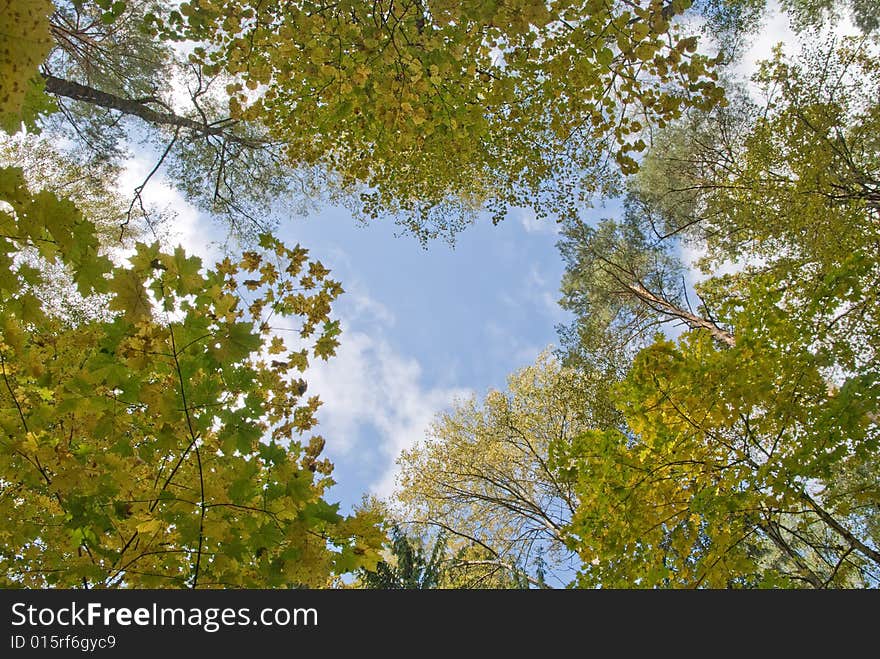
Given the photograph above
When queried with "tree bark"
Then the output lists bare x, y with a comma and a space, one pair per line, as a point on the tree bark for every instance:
78, 92
853, 541
666, 307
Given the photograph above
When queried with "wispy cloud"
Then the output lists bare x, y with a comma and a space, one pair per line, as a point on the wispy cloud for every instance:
370, 385
509, 344
776, 29
365, 306
531, 223
377, 401
185, 225
369, 389
544, 294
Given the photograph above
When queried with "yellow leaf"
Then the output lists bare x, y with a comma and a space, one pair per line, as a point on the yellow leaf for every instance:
150, 526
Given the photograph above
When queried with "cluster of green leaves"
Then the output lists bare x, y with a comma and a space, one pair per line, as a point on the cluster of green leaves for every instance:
104, 60
151, 413
443, 108
610, 269
741, 450
408, 567
159, 446
749, 451
722, 477
484, 475
24, 43
810, 13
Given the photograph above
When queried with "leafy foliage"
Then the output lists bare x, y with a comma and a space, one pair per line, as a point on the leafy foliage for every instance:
617, 280
154, 422
485, 477
159, 447
810, 13
422, 558
24, 43
89, 185
717, 482
105, 67
103, 44
443, 108
749, 450
409, 567
730, 24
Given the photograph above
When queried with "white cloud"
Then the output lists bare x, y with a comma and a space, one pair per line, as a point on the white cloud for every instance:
510, 345
363, 305
369, 384
532, 223
369, 390
544, 294
776, 29
540, 292
187, 226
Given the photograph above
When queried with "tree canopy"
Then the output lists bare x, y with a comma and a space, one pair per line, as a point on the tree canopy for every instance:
443, 108
711, 419
723, 417
153, 442
749, 452
486, 477
428, 112
151, 413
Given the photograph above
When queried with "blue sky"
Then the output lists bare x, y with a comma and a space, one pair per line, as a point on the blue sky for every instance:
421, 327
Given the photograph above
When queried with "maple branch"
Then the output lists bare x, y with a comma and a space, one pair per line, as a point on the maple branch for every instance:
201, 516
505, 566
36, 461
12, 393
837, 567
193, 443
727, 550
771, 528
139, 189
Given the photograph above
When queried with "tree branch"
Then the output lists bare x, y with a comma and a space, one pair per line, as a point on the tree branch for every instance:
854, 542
666, 307
138, 108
